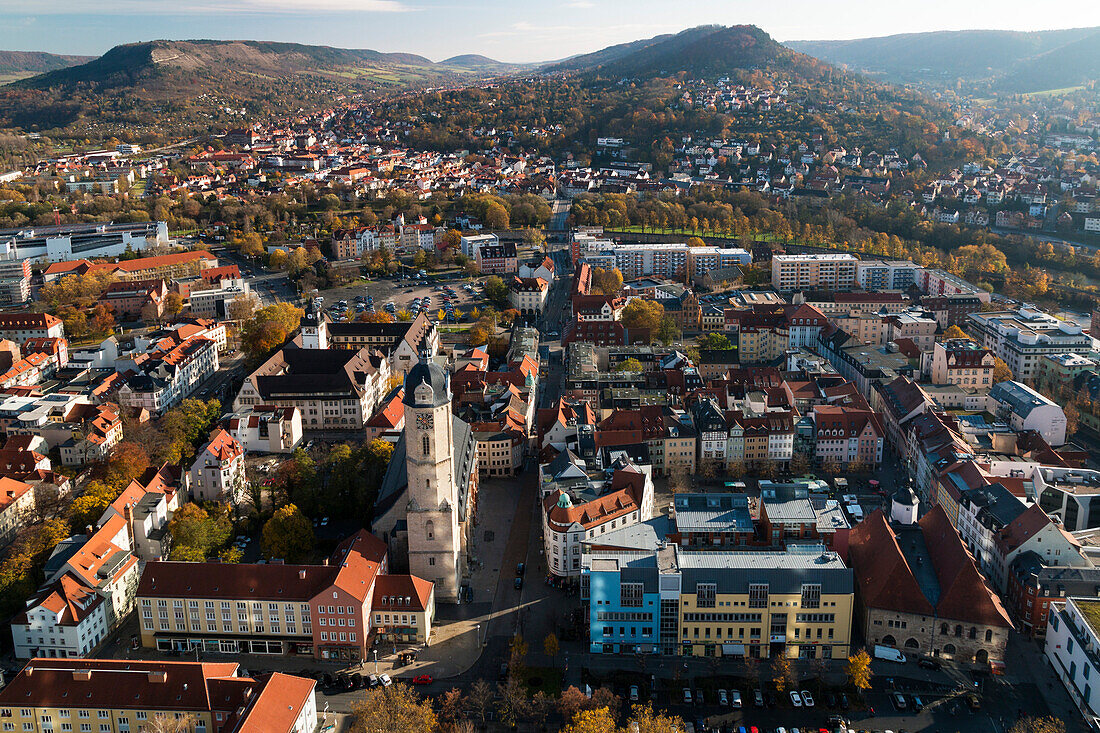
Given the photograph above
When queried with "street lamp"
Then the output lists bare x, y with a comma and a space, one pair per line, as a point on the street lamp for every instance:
375, 660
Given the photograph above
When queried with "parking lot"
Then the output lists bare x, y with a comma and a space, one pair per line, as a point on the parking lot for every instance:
402, 293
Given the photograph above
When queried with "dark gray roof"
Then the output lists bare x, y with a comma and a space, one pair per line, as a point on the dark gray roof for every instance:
426, 371
396, 480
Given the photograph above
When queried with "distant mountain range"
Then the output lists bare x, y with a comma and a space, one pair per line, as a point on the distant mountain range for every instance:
14, 63
149, 60
195, 84
703, 50
1006, 60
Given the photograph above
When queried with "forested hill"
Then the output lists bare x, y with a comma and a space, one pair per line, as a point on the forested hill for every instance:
701, 51
1008, 60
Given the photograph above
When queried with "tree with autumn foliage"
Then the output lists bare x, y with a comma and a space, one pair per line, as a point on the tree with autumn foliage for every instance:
393, 709
270, 327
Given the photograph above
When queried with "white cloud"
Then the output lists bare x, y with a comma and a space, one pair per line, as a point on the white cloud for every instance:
170, 7
580, 4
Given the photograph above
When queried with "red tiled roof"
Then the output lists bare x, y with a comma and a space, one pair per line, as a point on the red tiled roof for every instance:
418, 590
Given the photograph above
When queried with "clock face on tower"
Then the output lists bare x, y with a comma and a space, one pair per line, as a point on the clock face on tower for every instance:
425, 422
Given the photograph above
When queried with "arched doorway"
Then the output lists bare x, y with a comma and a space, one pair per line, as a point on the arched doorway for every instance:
982, 656
912, 643
889, 640
948, 648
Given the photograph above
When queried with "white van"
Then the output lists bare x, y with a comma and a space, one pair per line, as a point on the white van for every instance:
888, 653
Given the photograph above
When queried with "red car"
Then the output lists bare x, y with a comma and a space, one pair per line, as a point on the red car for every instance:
423, 679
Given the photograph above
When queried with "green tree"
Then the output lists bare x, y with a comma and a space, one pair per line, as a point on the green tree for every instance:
89, 506
287, 535
629, 365
496, 216
496, 291
715, 342
198, 534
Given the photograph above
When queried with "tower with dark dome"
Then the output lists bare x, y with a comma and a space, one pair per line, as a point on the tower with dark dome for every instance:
904, 505
434, 538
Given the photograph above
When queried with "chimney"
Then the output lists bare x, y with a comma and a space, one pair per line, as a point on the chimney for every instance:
158, 676
301, 574
82, 674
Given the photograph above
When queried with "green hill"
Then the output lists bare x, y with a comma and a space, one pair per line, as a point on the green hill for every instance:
1011, 60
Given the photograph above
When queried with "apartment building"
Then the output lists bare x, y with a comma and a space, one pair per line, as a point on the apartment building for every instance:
324, 611
1022, 337
177, 266
134, 299
16, 508
267, 429
402, 342
123, 695
497, 259
814, 271
528, 294
218, 471
1073, 650
19, 327
170, 374
576, 511
938, 283
795, 603
962, 362
886, 274
1025, 409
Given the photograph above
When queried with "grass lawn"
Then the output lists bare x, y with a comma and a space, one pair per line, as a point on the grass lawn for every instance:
547, 679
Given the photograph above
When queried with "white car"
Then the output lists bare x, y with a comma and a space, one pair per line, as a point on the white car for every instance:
807, 699
723, 700
385, 680
796, 699
735, 699
633, 693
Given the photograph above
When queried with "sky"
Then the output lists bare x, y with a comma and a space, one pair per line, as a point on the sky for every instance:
508, 30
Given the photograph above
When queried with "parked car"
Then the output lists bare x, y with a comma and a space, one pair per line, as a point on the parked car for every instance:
843, 701
973, 701
735, 699
422, 679
758, 698
519, 583
899, 701
521, 568
928, 663
807, 699
723, 698
687, 695
918, 704
796, 699
372, 680
385, 679
633, 693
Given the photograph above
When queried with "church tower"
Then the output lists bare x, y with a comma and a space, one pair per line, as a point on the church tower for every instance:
435, 542
314, 327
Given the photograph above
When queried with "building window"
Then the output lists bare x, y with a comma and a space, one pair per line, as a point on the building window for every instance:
705, 594
630, 595
811, 595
